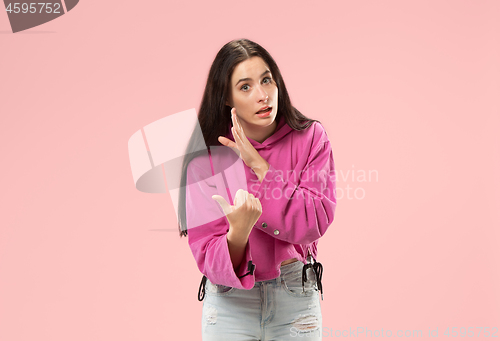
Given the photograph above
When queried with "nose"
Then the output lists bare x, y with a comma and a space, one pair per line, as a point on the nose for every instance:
262, 94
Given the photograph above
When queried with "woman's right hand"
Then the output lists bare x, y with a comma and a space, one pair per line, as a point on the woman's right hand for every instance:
243, 215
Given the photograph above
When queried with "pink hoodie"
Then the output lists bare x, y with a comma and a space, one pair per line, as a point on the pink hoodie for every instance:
297, 196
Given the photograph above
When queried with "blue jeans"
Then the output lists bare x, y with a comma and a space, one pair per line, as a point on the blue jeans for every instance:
277, 309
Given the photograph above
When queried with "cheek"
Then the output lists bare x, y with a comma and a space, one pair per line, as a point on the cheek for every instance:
233, 101
241, 103
275, 92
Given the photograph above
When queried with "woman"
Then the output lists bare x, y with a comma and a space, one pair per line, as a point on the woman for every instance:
258, 255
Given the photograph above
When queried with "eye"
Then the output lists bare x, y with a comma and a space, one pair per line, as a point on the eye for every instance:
267, 80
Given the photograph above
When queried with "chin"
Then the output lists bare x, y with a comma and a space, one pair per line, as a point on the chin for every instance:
267, 122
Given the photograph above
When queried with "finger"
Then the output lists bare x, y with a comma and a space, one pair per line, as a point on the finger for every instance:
244, 137
251, 202
260, 204
257, 202
240, 128
235, 135
237, 138
227, 142
233, 117
240, 197
226, 208
236, 122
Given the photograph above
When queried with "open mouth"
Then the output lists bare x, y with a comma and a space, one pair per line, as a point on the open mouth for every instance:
265, 111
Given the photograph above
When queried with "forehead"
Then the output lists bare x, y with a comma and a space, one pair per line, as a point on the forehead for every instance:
249, 68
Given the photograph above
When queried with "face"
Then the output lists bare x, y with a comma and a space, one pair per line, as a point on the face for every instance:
254, 94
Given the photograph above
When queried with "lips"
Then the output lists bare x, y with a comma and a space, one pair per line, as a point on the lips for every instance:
264, 109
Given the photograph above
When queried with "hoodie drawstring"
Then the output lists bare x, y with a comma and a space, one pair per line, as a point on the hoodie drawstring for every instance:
201, 290
318, 271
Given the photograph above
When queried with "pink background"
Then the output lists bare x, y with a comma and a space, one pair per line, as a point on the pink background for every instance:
409, 90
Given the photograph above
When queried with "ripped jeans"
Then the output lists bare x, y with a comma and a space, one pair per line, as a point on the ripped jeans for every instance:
277, 309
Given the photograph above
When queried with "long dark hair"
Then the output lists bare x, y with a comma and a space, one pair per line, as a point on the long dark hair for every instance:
214, 115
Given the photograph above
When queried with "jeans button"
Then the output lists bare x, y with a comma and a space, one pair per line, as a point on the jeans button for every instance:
264, 225
276, 232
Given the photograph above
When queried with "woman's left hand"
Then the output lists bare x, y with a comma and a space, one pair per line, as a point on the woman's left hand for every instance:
243, 147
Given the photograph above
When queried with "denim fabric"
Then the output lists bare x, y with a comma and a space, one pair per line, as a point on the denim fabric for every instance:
277, 309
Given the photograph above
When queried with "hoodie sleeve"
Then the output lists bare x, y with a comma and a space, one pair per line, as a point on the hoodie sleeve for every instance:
207, 230
299, 206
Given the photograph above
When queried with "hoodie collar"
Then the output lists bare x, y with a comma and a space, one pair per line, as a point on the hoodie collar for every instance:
282, 129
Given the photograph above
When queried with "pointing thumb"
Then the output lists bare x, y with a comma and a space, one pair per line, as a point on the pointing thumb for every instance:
226, 208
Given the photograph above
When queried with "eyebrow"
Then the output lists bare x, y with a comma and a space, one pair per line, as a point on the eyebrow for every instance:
249, 79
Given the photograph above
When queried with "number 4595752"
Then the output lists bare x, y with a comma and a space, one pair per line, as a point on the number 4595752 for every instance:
32, 7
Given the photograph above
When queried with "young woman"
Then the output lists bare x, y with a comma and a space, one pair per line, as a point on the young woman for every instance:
257, 254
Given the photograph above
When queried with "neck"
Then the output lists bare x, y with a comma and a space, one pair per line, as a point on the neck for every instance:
258, 133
